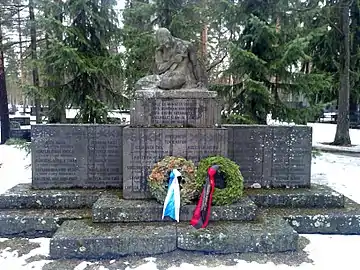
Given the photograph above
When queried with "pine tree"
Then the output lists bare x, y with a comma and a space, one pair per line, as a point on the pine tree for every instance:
82, 58
266, 56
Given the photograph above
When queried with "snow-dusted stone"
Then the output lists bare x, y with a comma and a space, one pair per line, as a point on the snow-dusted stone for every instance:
272, 235
272, 156
341, 221
315, 197
22, 196
175, 108
36, 223
82, 239
110, 208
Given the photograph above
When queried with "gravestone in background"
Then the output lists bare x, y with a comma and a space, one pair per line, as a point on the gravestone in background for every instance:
23, 121
70, 156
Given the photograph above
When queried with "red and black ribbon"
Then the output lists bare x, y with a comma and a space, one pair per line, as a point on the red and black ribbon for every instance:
202, 211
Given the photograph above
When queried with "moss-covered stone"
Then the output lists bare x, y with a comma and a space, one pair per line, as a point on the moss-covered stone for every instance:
110, 208
82, 239
268, 236
343, 221
315, 197
22, 196
36, 223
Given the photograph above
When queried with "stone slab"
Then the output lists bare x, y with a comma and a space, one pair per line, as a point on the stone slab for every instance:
271, 235
175, 108
143, 147
315, 197
76, 156
22, 196
341, 221
84, 240
272, 156
21, 134
36, 223
110, 208
23, 121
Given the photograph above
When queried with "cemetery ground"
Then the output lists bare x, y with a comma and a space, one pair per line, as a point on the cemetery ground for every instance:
339, 171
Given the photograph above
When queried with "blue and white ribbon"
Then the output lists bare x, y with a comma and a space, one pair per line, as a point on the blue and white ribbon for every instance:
172, 200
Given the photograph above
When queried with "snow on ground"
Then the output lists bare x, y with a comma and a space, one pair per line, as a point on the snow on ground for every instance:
13, 167
326, 133
340, 172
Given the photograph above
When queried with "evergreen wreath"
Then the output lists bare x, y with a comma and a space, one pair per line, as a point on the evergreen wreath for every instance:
234, 185
159, 176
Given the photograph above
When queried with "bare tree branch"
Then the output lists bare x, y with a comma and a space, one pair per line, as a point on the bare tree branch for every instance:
215, 63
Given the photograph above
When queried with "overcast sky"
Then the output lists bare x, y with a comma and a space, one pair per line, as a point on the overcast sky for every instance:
120, 4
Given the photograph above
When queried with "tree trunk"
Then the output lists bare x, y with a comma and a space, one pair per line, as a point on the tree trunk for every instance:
342, 136
21, 62
4, 109
57, 112
35, 72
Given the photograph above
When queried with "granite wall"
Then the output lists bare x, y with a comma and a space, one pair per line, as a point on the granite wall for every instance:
93, 156
69, 156
272, 156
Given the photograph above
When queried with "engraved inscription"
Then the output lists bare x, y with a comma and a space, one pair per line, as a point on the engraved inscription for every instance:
57, 159
176, 111
105, 155
140, 155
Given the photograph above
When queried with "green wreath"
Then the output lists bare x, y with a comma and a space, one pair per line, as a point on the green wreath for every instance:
158, 179
233, 179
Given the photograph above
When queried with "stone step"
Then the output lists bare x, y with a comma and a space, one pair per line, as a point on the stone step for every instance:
36, 223
270, 235
110, 208
85, 240
342, 221
22, 196
315, 197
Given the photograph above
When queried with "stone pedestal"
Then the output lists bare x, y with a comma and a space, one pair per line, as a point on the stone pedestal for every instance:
175, 108
143, 147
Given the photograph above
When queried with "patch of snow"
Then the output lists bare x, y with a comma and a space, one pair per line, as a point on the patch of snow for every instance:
339, 172
13, 168
83, 265
325, 133
11, 259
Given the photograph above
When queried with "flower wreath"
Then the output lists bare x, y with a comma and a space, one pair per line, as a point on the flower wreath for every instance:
233, 189
158, 179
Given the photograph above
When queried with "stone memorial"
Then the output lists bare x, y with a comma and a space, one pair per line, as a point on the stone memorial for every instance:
172, 114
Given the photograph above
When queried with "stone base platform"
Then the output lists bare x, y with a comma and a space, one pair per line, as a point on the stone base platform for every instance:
315, 197
110, 208
32, 223
22, 196
340, 221
270, 223
83, 239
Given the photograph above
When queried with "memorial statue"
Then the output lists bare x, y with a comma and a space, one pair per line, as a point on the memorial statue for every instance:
176, 63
